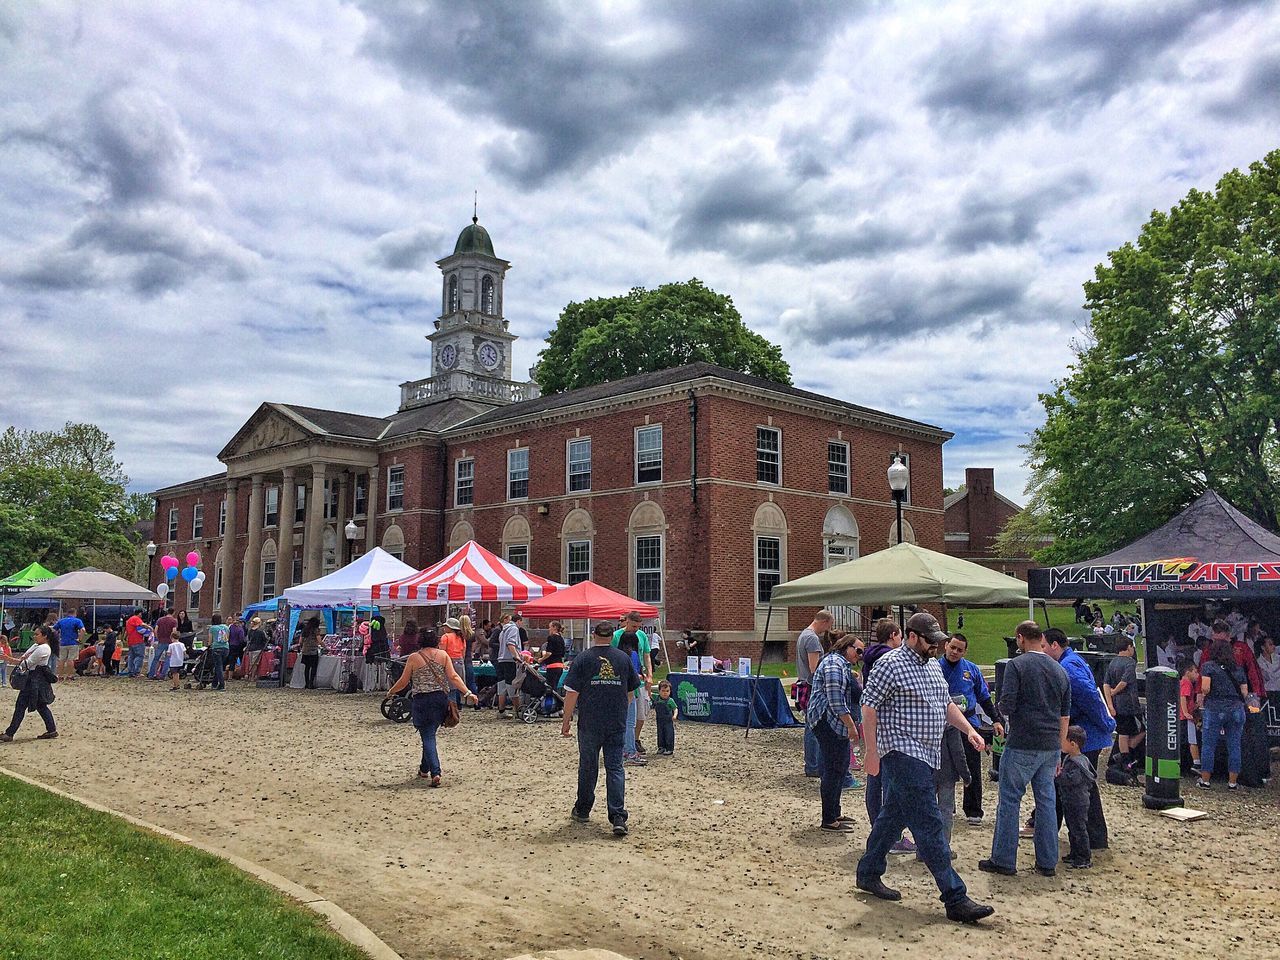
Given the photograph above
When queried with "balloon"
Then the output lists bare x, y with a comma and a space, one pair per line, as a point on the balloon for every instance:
193, 559
170, 573
196, 584
166, 562
200, 576
163, 590
189, 573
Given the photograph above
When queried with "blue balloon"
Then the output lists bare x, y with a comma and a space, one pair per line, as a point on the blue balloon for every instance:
170, 573
189, 573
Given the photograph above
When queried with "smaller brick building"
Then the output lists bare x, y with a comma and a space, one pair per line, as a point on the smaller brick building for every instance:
975, 515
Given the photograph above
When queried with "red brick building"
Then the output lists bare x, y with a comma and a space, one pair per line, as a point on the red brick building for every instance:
975, 515
695, 488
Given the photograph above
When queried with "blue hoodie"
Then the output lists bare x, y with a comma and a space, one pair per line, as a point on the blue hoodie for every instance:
1087, 707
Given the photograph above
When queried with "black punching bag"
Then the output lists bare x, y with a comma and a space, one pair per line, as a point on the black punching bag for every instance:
1164, 741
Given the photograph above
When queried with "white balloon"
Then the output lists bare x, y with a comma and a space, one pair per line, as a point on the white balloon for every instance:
195, 585
199, 577
163, 590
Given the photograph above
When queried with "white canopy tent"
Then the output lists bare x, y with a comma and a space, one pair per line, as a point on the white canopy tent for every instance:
89, 584
351, 584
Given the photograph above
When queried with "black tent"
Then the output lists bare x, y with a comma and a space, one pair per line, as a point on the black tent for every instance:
1210, 549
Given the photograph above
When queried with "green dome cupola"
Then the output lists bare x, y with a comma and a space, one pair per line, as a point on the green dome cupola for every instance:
474, 239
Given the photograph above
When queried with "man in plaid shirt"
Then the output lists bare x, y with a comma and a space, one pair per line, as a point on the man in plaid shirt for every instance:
905, 709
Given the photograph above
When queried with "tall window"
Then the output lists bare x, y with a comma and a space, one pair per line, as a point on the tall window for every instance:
271, 508
197, 521
768, 455
768, 567
222, 518
649, 454
486, 296
300, 503
453, 294
330, 499
362, 494
518, 555
295, 570
579, 464
173, 523
518, 473
464, 483
395, 488
837, 467
649, 569
217, 588
579, 567
268, 579
906, 462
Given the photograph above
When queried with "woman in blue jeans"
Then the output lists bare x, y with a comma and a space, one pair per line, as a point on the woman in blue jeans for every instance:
1223, 689
429, 674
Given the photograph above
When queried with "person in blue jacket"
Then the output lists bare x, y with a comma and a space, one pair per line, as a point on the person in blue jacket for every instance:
964, 679
1088, 710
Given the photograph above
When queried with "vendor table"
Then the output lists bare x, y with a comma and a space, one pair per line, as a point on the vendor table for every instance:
727, 698
326, 674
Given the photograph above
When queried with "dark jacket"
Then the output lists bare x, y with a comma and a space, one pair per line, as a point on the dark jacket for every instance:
39, 689
954, 765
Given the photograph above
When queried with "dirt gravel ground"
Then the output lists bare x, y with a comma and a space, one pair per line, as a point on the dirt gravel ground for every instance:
724, 858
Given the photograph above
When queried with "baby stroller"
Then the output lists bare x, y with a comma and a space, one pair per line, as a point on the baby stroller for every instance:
198, 671
398, 708
538, 700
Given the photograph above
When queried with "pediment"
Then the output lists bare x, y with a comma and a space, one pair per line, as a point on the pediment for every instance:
267, 429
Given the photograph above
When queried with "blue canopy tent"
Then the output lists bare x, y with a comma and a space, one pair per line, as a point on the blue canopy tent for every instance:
272, 605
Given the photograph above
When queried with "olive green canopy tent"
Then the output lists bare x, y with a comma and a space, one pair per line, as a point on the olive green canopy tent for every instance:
904, 573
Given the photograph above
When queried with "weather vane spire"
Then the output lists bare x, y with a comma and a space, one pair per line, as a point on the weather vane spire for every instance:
475, 206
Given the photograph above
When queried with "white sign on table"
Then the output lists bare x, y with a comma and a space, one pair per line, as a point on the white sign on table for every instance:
708, 664
691, 665
744, 666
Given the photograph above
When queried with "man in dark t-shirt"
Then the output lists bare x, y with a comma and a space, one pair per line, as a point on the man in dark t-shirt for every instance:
600, 684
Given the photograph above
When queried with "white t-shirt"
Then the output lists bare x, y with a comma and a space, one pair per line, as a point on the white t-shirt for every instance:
177, 653
37, 655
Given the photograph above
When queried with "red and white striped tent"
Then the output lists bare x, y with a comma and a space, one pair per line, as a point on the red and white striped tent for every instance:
471, 574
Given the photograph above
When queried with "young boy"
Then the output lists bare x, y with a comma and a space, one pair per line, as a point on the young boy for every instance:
1075, 778
177, 655
1188, 692
1121, 692
664, 709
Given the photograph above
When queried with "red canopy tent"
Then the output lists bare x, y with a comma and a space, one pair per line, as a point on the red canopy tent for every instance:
586, 601
471, 574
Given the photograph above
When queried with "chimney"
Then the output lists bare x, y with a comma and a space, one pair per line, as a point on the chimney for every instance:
980, 481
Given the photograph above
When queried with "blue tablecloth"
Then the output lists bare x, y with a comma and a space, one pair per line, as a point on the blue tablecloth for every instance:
726, 698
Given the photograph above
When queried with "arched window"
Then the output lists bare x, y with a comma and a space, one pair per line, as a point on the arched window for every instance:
462, 532
393, 541
908, 534
647, 533
840, 541
486, 296
268, 569
453, 294
516, 541
218, 583
770, 529
578, 536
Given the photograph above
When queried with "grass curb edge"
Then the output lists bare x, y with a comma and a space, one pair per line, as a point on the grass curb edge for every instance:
341, 922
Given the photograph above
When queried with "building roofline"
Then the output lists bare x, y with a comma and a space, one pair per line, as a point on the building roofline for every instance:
186, 486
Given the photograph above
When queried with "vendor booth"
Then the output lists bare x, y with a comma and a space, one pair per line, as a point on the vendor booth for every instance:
1210, 560
29, 576
471, 574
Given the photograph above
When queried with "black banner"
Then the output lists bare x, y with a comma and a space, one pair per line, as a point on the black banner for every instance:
1173, 577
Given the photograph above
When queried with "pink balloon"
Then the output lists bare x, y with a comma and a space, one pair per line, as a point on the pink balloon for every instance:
193, 559
167, 562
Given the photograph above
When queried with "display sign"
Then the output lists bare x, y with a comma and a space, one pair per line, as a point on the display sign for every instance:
1173, 576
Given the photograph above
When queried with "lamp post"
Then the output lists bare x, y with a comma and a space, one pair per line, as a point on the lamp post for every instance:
151, 553
350, 531
898, 475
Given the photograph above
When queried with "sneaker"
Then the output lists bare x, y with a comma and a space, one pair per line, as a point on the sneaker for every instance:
1233, 786
968, 911
1026, 833
903, 846
577, 817
5, 738
634, 760
620, 828
1204, 784
1046, 871
851, 783
973, 821
990, 866
1079, 864
855, 764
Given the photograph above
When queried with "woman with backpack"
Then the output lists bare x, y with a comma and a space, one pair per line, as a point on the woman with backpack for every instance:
1224, 688
36, 692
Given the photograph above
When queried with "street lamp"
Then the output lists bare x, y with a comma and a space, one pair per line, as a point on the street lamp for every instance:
898, 475
151, 548
350, 531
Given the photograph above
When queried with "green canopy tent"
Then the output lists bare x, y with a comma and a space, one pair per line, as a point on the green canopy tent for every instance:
28, 576
904, 573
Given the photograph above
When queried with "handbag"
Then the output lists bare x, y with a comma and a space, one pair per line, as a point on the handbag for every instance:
19, 677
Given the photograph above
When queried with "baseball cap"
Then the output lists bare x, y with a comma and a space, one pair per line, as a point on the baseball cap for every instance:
604, 629
926, 625
453, 623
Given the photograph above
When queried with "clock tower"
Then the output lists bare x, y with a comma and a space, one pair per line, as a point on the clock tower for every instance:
471, 343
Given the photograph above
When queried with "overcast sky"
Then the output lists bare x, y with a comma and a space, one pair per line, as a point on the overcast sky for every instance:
204, 206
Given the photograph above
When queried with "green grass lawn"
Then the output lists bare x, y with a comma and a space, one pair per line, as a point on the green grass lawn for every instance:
76, 883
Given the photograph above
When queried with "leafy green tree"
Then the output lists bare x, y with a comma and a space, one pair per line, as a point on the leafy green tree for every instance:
77, 446
614, 337
55, 516
1177, 386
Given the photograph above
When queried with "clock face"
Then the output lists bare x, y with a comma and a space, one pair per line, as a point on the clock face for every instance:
448, 356
488, 355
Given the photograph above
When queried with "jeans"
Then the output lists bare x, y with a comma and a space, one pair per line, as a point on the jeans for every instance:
428, 710
1221, 719
20, 712
1018, 768
134, 664
158, 665
909, 799
629, 735
4, 674
219, 660
666, 734
590, 745
812, 759
833, 755
973, 789
454, 693
873, 798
